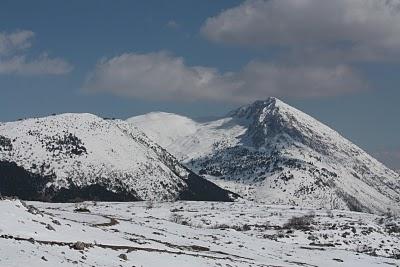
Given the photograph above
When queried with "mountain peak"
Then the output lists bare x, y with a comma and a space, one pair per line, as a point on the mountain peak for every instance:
258, 106
275, 153
270, 119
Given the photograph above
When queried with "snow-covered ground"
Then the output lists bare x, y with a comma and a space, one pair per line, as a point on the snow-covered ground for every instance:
193, 234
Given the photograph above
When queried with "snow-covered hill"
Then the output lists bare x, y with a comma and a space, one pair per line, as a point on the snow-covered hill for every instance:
68, 156
192, 234
272, 152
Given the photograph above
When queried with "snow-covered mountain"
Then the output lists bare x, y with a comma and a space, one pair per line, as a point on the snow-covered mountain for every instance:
82, 156
274, 153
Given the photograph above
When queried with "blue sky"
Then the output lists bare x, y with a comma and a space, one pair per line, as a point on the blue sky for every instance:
206, 57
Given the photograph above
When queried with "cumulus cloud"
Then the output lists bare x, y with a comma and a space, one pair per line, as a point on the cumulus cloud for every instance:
361, 29
14, 59
161, 76
260, 78
41, 65
19, 40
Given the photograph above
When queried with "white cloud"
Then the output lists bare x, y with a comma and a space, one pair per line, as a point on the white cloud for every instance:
154, 76
14, 59
161, 76
362, 29
41, 65
260, 78
19, 40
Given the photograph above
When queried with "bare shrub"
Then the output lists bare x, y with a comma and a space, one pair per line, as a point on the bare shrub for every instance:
242, 228
81, 207
239, 228
149, 205
329, 213
219, 226
179, 219
300, 223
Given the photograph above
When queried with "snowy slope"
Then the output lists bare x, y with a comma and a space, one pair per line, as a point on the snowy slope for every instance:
274, 153
167, 128
71, 156
188, 234
174, 127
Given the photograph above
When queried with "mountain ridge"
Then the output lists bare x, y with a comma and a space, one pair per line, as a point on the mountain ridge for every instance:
68, 156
